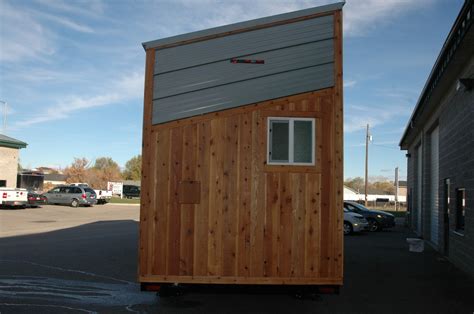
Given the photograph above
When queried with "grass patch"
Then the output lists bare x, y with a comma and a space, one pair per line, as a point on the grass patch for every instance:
116, 200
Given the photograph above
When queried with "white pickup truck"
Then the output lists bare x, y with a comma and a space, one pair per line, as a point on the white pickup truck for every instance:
103, 196
13, 197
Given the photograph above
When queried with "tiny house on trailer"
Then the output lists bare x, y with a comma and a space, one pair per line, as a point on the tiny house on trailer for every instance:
242, 175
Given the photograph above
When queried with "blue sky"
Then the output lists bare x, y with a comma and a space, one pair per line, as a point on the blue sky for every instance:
72, 71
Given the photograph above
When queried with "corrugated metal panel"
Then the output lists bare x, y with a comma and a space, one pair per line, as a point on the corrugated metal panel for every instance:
434, 185
224, 72
243, 93
242, 25
242, 44
198, 78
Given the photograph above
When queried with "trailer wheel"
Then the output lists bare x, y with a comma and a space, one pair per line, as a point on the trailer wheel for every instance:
74, 203
168, 290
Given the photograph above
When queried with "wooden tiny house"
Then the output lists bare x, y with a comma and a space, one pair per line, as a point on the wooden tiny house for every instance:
242, 178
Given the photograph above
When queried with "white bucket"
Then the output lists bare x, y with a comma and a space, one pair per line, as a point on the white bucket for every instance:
416, 245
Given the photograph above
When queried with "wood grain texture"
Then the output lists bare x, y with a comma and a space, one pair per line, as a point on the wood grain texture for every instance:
253, 223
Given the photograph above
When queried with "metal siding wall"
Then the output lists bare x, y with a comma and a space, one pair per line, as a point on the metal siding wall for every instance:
434, 185
419, 186
242, 93
198, 78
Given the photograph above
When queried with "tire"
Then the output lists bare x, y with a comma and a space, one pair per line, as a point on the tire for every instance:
374, 225
74, 203
348, 228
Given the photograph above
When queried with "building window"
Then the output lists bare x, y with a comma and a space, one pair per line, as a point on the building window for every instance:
460, 209
291, 141
3, 183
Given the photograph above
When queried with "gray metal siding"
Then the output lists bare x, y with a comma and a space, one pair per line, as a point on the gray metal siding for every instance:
199, 78
242, 93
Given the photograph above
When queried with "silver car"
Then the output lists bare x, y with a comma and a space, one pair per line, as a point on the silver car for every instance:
71, 195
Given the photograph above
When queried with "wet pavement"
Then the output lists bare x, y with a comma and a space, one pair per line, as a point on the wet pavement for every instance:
91, 268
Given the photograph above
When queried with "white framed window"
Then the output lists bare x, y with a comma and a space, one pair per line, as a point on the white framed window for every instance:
291, 141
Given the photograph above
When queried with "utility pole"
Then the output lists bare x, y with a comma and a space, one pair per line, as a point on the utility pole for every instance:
4, 130
366, 163
396, 189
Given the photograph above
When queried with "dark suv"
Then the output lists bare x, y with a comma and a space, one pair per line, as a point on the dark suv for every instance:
377, 219
130, 191
71, 195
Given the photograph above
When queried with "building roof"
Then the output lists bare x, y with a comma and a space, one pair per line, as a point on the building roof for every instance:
6, 141
229, 29
461, 35
54, 177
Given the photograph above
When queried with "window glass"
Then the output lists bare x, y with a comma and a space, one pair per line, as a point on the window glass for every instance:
89, 190
460, 209
303, 138
279, 139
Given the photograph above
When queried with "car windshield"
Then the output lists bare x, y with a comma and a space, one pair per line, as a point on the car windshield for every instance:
358, 206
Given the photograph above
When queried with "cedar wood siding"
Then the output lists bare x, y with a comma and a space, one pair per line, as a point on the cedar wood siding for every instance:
213, 211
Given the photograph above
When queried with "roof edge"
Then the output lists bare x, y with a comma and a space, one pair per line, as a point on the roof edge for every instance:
219, 30
468, 4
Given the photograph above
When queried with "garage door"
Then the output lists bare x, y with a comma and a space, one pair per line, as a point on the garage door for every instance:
434, 185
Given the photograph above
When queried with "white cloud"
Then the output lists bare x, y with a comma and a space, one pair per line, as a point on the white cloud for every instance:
128, 87
22, 37
65, 22
363, 16
349, 83
357, 117
90, 8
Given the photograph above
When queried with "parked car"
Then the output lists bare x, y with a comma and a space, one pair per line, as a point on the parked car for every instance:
71, 195
354, 222
13, 198
35, 199
377, 219
103, 196
130, 191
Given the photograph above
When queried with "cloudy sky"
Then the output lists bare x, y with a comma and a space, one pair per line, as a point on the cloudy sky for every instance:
71, 71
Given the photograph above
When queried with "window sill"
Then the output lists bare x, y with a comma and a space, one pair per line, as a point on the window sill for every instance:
458, 233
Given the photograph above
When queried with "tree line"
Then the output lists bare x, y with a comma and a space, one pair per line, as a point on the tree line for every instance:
102, 170
358, 184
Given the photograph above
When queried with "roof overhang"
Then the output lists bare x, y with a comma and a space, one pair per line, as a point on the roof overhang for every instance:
241, 26
9, 142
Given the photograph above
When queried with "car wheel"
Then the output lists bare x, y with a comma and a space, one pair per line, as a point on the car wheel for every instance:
374, 225
347, 228
75, 203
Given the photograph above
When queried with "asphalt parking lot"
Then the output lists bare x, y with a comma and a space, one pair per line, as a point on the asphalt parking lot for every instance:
87, 263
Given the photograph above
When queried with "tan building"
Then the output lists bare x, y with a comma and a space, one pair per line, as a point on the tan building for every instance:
9, 156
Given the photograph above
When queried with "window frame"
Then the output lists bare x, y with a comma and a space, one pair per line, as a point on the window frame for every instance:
291, 141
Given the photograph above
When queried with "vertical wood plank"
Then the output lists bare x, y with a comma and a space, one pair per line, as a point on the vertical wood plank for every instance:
215, 193
201, 215
338, 143
271, 225
145, 200
257, 196
161, 201
229, 195
298, 236
245, 178
174, 209
286, 225
189, 147
312, 225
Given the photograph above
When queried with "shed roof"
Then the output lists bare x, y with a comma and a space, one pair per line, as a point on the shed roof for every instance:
461, 29
6, 141
229, 29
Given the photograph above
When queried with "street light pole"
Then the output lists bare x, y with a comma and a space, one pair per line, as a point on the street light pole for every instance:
366, 163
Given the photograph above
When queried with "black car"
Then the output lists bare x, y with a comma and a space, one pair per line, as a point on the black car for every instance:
130, 191
35, 199
377, 219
